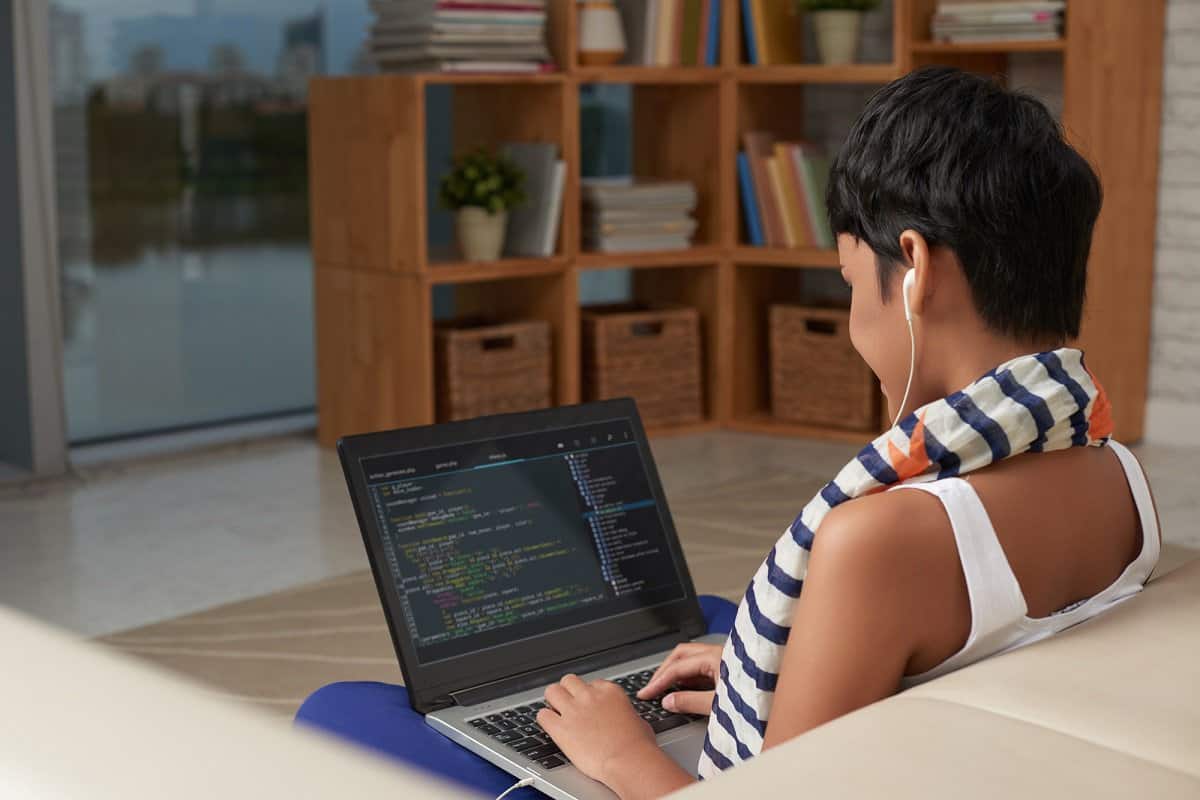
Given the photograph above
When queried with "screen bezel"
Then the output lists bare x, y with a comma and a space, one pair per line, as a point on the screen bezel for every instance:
430, 686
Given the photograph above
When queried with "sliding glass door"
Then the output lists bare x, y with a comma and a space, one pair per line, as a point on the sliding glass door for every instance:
181, 168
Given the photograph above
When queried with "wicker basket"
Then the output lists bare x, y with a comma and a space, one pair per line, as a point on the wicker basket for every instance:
817, 377
487, 368
650, 354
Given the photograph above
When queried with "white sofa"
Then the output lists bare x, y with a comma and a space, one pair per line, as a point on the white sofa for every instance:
1108, 709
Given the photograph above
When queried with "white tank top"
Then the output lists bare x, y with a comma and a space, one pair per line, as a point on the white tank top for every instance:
998, 610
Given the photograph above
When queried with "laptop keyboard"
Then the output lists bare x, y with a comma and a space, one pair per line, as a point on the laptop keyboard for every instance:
517, 727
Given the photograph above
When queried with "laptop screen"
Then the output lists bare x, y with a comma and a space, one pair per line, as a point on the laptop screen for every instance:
496, 541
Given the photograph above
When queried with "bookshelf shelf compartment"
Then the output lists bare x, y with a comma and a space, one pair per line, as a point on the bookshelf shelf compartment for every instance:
698, 286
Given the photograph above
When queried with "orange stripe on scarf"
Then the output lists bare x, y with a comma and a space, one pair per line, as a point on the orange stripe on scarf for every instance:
1100, 423
916, 461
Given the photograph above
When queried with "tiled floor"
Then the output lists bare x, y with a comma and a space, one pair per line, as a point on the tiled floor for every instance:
122, 546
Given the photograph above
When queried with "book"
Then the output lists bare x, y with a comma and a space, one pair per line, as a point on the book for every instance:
702, 34
779, 32
458, 35
452, 52
689, 32
749, 201
977, 7
748, 33
644, 193
466, 66
996, 18
653, 20
554, 213
794, 168
667, 32
634, 244
527, 223
679, 226
636, 17
1033, 36
775, 178
625, 216
791, 192
713, 52
758, 146
815, 173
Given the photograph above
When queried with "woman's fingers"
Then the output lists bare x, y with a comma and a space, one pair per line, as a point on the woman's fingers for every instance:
689, 702
557, 696
697, 665
572, 683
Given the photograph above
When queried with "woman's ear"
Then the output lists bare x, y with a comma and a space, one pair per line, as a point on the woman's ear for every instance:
916, 253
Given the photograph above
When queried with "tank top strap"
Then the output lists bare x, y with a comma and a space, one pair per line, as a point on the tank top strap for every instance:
995, 595
1141, 567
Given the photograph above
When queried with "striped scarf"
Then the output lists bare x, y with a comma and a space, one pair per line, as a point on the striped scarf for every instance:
1034, 403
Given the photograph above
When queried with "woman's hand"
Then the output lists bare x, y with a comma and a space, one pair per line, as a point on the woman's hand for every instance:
691, 665
595, 725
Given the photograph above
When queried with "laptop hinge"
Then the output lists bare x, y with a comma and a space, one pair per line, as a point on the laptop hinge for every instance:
531, 679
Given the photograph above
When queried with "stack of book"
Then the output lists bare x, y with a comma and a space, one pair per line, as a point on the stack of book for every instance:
533, 226
1012, 20
621, 215
665, 33
459, 35
783, 192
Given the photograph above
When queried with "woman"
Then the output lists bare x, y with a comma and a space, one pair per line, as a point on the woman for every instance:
963, 224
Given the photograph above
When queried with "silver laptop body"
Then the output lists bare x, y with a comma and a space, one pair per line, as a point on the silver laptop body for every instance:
511, 550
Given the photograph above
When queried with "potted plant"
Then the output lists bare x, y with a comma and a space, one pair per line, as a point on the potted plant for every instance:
837, 23
480, 188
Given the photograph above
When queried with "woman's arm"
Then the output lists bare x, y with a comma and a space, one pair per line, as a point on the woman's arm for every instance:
878, 569
859, 618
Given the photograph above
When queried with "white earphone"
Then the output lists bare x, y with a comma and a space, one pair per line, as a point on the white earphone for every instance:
910, 280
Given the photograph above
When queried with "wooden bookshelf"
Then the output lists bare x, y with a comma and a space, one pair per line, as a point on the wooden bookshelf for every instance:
375, 274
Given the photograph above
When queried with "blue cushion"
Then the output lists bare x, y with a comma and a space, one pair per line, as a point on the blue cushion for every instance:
378, 716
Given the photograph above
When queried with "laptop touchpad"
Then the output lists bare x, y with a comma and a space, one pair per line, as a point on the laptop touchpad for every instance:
685, 751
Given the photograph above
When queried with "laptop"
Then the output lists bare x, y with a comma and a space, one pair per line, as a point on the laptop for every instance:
513, 549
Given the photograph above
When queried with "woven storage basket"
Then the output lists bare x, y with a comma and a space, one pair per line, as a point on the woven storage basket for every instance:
491, 368
650, 354
817, 377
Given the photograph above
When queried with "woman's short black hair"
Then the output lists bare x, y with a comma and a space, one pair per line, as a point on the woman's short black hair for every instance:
985, 172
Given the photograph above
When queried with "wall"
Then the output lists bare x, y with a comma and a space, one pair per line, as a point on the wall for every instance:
16, 443
1174, 401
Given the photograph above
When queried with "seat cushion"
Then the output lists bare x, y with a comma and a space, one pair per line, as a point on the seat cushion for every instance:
1110, 708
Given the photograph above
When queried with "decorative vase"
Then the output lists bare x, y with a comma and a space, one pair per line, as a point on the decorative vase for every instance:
837, 35
601, 37
480, 234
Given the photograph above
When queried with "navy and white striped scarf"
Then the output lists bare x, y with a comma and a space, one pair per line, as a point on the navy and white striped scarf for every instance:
1035, 403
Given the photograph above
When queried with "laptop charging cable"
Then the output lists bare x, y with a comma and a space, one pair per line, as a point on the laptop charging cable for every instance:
519, 784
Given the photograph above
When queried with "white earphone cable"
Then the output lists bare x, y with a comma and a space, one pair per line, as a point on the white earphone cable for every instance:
514, 787
912, 368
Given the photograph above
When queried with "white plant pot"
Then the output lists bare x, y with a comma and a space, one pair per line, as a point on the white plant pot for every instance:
480, 234
837, 35
601, 36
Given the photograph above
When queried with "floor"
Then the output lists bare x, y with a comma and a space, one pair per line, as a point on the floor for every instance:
121, 546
